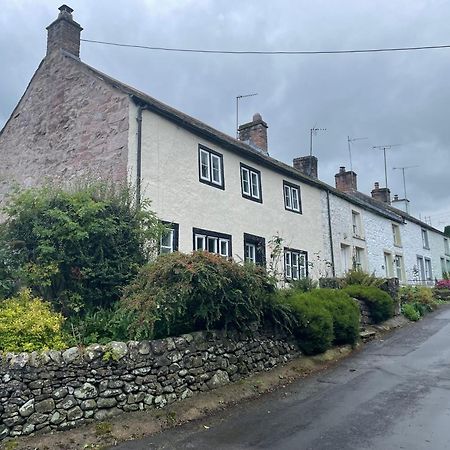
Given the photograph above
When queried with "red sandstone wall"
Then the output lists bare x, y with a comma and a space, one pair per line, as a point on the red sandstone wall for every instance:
69, 124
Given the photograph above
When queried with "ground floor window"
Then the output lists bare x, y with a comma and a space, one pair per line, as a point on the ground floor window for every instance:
295, 264
399, 269
169, 239
212, 241
358, 258
254, 249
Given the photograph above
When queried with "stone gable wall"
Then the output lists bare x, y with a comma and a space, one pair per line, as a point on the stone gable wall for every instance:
58, 390
68, 124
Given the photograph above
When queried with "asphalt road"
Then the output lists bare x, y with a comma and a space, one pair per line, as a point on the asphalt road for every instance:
394, 394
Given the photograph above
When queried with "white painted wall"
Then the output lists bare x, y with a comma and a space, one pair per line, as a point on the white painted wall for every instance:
171, 180
376, 237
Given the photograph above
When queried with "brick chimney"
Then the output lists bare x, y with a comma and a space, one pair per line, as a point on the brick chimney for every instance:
381, 194
346, 180
306, 165
254, 133
64, 33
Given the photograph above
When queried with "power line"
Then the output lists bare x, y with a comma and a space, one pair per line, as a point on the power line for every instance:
272, 52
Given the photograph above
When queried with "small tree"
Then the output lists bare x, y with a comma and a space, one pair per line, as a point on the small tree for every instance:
78, 247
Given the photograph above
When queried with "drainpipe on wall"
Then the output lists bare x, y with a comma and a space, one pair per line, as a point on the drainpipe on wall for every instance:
331, 234
139, 154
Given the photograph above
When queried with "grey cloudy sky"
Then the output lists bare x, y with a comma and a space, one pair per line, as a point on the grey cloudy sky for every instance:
391, 98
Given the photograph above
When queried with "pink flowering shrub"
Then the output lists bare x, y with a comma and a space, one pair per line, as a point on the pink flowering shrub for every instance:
443, 284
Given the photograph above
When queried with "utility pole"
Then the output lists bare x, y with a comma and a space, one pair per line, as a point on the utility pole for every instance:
384, 148
237, 110
404, 182
313, 131
349, 142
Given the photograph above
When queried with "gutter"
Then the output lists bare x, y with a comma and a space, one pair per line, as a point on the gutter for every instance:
331, 234
139, 154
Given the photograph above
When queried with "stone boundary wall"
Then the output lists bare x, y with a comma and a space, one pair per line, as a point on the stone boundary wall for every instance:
56, 390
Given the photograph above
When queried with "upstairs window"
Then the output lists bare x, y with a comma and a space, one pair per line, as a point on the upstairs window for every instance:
396, 235
295, 264
212, 242
356, 224
210, 167
251, 183
254, 249
446, 246
169, 239
425, 242
292, 200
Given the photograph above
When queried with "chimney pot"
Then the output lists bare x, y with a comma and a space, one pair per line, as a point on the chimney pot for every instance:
65, 8
254, 133
381, 194
346, 181
306, 165
64, 33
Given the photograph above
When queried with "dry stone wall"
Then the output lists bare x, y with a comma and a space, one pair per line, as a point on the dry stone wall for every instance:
57, 390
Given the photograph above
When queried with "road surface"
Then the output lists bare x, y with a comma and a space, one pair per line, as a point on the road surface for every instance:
394, 394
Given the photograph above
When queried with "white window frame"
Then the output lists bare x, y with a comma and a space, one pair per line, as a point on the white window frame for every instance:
164, 246
202, 238
212, 242
421, 268
358, 258
357, 224
250, 253
295, 264
206, 164
396, 235
425, 240
446, 246
428, 269
251, 183
399, 267
213, 162
292, 198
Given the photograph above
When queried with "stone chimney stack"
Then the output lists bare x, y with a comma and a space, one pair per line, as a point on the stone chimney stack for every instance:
346, 180
64, 33
306, 165
381, 194
254, 133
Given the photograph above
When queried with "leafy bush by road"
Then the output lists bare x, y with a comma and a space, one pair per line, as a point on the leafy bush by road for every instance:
380, 303
180, 292
27, 323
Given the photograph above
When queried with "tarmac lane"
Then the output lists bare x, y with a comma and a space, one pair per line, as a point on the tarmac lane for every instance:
393, 394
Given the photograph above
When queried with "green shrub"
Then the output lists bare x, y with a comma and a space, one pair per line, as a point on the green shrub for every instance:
410, 312
314, 327
9, 265
100, 325
380, 303
27, 323
79, 247
180, 293
344, 311
303, 285
359, 277
420, 296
